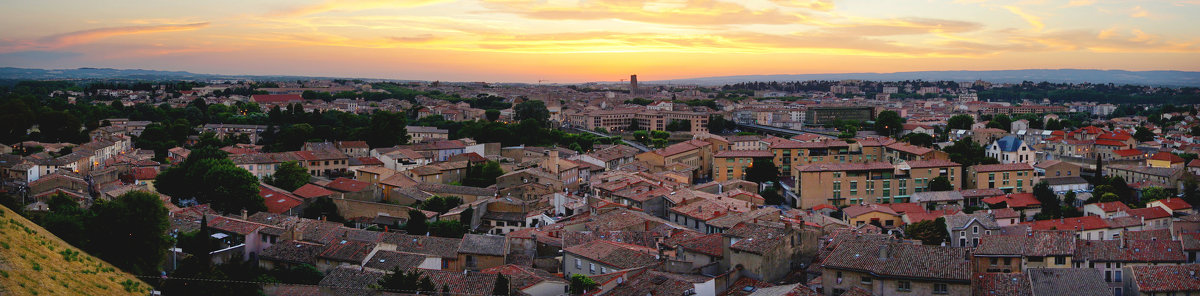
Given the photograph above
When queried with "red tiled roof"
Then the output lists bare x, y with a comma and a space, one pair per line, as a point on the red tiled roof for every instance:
1078, 223
824, 206
909, 148
348, 185
1167, 156
1195, 163
1112, 206
370, 161
1150, 213
906, 207
1175, 204
145, 173
311, 191
1166, 278
711, 244
859, 210
1109, 143
1128, 152
1014, 200
277, 200
984, 168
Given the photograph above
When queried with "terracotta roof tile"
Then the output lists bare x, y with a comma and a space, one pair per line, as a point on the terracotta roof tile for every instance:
1166, 278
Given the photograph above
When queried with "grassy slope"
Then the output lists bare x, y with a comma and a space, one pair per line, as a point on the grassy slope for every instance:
35, 262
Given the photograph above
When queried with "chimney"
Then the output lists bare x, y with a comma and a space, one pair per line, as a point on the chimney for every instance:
245, 214
883, 251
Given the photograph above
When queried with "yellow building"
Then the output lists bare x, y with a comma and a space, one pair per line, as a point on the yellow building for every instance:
732, 164
883, 216
1009, 177
877, 182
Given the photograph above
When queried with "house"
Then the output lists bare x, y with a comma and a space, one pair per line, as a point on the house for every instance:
1106, 209
1001, 283
1023, 203
1168, 177
1067, 281
1010, 149
279, 201
1164, 159
421, 134
766, 251
1110, 257
524, 280
700, 251
938, 199
882, 216
1012, 177
612, 157
1175, 206
353, 189
601, 257
1163, 279
732, 164
974, 197
478, 252
1015, 253
290, 253
1056, 169
966, 229
887, 268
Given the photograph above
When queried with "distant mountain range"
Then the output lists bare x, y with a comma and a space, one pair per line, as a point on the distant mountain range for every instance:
10, 73
1161, 78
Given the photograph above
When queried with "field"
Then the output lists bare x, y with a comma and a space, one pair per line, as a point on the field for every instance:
35, 262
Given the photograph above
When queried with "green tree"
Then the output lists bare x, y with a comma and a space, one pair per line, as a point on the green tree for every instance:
440, 204
492, 114
16, 118
659, 135
131, 232
322, 207
532, 109
641, 136
1109, 197
1051, 207
482, 175
635, 125
961, 121
717, 123
501, 287
289, 176
1070, 198
940, 183
1191, 190
580, 284
387, 129
1143, 134
968, 153
210, 178
762, 170
919, 139
679, 125
1154, 193
889, 123
416, 223
426, 285
401, 280
1001, 121
447, 228
929, 232
1053, 124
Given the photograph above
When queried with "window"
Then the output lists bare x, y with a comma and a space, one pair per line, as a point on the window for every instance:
994, 260
1060, 260
865, 281
1117, 292
889, 223
577, 263
839, 277
904, 286
940, 288
975, 230
1117, 276
1007, 261
592, 267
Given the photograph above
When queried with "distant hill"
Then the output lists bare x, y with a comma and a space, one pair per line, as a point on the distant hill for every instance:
35, 262
10, 73
1162, 78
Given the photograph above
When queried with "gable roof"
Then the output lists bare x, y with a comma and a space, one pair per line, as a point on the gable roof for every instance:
478, 244
311, 191
1166, 278
619, 255
1001, 283
278, 200
1067, 281
348, 185
899, 260
859, 210
1036, 243
1167, 156
1009, 143
1014, 200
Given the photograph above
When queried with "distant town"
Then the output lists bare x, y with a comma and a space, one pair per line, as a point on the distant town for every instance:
356, 187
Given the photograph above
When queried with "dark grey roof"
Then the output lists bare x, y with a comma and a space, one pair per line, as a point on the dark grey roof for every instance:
387, 260
503, 216
452, 189
491, 245
960, 221
1067, 281
351, 281
292, 251
937, 196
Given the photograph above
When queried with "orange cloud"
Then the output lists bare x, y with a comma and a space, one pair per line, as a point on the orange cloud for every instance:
93, 35
352, 5
1033, 20
689, 12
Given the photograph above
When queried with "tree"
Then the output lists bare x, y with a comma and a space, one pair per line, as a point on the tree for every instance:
929, 232
447, 228
1143, 134
762, 170
919, 139
1109, 197
492, 114
771, 195
501, 287
641, 136
322, 207
133, 235
968, 153
482, 175
1053, 124
1069, 198
1191, 190
401, 280
580, 284
962, 122
635, 125
940, 183
289, 176
207, 176
659, 135
889, 123
440, 204
1050, 204
679, 125
532, 109
1154, 193
387, 129
416, 223
717, 123
426, 285
1001, 121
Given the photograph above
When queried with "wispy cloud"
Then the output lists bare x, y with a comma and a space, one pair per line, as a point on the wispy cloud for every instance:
88, 36
351, 5
1033, 20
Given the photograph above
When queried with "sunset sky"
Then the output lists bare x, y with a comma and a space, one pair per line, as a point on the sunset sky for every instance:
597, 40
